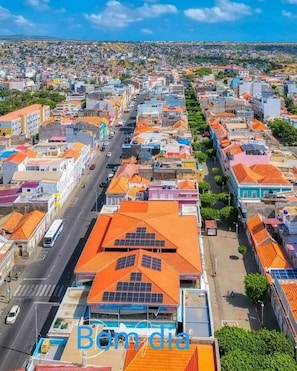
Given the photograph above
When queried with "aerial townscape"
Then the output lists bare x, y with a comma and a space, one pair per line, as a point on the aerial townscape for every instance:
148, 188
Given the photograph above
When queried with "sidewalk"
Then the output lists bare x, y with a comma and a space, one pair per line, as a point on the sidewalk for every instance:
7, 289
226, 270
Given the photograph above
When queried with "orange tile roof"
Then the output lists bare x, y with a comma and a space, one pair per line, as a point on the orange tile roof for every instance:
259, 126
78, 146
187, 184
12, 221
71, 153
259, 173
218, 128
27, 225
199, 357
133, 191
158, 217
118, 185
290, 290
271, 256
91, 120
179, 124
30, 153
17, 157
269, 252
234, 149
258, 231
20, 112
107, 279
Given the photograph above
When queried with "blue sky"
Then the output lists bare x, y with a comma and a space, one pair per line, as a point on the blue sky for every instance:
135, 20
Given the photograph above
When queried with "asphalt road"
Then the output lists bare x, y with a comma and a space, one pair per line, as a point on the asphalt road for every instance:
18, 340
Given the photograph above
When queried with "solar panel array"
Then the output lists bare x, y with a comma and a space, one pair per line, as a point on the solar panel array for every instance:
132, 297
134, 286
139, 238
283, 274
126, 261
253, 147
139, 242
153, 263
135, 276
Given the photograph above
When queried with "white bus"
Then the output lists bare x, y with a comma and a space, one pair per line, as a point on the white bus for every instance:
53, 233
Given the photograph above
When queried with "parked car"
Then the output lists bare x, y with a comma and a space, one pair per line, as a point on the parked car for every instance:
92, 167
12, 315
103, 184
108, 154
119, 124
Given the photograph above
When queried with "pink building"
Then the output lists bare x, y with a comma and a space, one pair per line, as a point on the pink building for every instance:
186, 192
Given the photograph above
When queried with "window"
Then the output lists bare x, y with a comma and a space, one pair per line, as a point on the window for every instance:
245, 194
254, 194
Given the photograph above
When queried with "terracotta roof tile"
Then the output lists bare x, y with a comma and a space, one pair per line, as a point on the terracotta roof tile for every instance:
108, 278
12, 221
157, 217
27, 225
17, 157
198, 357
259, 173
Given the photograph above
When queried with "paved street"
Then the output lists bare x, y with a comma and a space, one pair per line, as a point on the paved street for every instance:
226, 270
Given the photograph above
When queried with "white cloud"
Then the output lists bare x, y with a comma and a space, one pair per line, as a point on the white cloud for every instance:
21, 21
117, 16
288, 14
40, 5
258, 10
18, 20
147, 31
4, 13
224, 11
155, 10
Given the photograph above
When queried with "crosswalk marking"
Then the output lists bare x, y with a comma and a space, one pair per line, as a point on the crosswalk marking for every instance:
34, 290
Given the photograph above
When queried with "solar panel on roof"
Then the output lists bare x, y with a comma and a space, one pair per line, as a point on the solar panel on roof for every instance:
126, 261
135, 276
135, 297
134, 286
283, 274
156, 264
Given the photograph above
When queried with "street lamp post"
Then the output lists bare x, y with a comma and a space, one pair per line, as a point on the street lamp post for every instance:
262, 312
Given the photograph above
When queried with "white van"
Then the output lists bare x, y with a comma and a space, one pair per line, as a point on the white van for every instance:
12, 315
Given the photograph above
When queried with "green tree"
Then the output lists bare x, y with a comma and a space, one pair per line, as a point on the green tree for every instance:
262, 350
207, 213
278, 362
200, 156
242, 249
211, 153
208, 143
233, 338
229, 215
208, 199
203, 187
220, 179
216, 171
238, 360
203, 71
274, 341
256, 287
196, 146
284, 132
